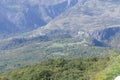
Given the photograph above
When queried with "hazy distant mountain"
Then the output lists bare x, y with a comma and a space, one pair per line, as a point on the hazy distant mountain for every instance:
97, 19
25, 15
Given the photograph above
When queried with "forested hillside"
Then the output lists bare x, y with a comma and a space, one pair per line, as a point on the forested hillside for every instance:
59, 39
91, 68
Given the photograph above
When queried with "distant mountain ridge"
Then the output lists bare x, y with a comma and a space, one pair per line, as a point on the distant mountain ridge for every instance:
96, 21
26, 15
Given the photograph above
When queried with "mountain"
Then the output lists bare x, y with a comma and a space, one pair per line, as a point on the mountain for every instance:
35, 30
97, 19
26, 15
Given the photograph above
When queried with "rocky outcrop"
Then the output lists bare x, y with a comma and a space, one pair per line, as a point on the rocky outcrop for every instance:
106, 33
107, 36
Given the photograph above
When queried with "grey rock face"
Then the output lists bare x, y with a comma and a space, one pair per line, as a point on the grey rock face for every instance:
106, 34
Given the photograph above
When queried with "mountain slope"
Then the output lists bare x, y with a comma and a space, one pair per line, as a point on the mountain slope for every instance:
94, 19
90, 20
60, 69
72, 29
26, 15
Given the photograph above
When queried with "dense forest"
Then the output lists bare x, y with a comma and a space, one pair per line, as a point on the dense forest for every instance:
92, 68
